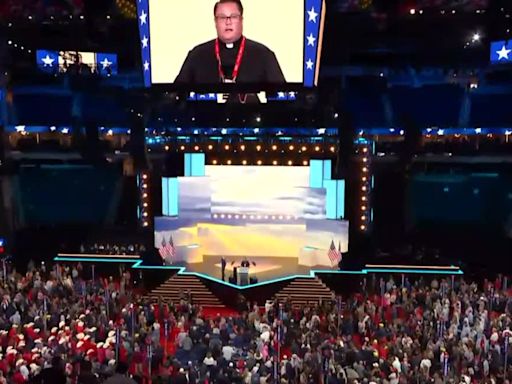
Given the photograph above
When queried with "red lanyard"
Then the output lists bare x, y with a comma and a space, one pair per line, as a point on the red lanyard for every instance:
236, 69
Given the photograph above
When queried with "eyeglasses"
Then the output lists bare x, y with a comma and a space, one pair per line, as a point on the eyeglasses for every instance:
224, 18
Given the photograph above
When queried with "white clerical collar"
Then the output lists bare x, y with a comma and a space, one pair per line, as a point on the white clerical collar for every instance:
230, 45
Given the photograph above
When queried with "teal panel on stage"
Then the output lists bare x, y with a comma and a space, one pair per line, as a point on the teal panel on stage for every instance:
335, 199
169, 196
194, 164
316, 173
327, 167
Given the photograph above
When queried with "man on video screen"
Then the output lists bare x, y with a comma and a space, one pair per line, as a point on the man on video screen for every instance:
231, 57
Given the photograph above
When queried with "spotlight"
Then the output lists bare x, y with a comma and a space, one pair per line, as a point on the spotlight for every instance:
167, 148
290, 162
222, 216
214, 162
182, 147
145, 224
259, 162
364, 179
363, 227
244, 162
274, 162
229, 162
363, 189
476, 37
363, 218
144, 195
145, 205
274, 147
363, 198
144, 176
363, 207
258, 147
242, 147
365, 159
317, 148
412, 11
196, 148
210, 147
333, 149
258, 119
144, 186
226, 147
304, 148
145, 214
291, 147
365, 149
305, 162
365, 169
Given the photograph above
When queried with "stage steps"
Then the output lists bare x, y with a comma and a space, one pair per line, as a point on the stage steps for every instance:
181, 284
305, 291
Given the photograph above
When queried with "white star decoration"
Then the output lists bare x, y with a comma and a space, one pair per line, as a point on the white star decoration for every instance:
47, 61
146, 66
105, 63
503, 53
143, 17
312, 15
309, 64
144, 42
311, 40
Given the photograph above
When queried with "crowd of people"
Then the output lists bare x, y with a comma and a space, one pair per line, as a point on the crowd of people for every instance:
39, 9
56, 326
112, 249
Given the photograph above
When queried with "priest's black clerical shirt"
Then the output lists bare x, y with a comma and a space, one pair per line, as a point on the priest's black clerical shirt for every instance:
258, 64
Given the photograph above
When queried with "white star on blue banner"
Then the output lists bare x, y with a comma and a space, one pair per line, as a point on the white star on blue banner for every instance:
106, 63
145, 41
312, 22
501, 52
47, 61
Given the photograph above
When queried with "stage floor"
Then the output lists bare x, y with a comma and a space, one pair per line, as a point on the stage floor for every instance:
266, 268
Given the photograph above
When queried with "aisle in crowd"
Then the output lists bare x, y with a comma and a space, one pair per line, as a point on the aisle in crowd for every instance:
56, 324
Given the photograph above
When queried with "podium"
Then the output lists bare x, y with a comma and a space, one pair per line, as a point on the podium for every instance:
243, 273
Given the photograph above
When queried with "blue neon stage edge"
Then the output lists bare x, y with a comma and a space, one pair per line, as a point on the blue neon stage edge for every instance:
313, 28
312, 273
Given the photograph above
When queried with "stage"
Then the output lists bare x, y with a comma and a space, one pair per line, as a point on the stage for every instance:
266, 268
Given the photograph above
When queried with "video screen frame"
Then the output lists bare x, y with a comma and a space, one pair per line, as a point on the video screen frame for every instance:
314, 17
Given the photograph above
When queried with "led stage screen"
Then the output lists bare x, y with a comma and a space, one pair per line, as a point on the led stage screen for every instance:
252, 211
83, 62
273, 42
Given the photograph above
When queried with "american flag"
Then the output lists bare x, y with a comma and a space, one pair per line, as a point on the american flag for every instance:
163, 249
171, 249
333, 254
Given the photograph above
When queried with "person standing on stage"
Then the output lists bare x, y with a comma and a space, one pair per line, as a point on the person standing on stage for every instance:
231, 57
223, 267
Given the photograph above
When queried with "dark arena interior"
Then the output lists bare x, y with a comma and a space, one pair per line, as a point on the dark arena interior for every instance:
256, 191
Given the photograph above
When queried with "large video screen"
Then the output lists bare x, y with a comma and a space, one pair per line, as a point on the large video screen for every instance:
260, 212
76, 61
205, 42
